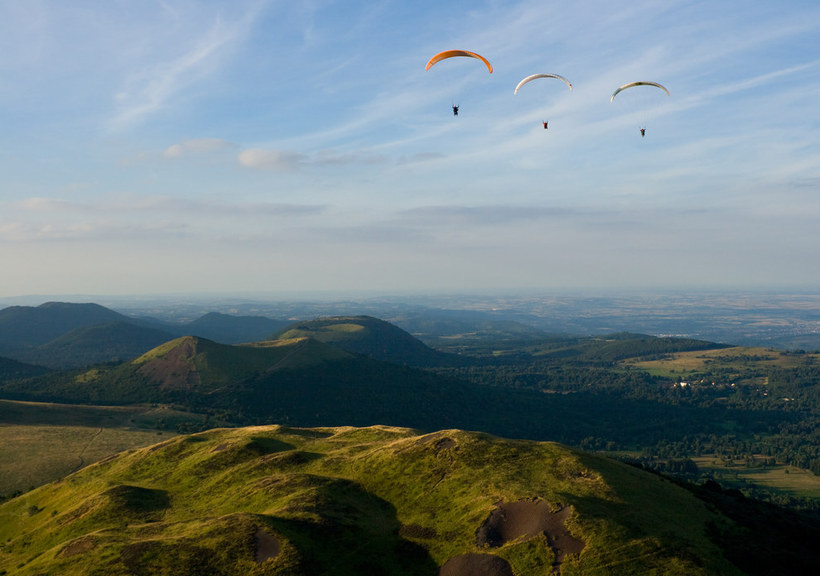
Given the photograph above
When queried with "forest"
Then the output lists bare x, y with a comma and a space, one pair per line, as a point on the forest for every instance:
750, 408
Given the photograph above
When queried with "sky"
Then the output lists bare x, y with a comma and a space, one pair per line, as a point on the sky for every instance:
151, 147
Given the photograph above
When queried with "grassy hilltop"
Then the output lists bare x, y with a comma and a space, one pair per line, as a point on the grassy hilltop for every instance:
377, 500
370, 337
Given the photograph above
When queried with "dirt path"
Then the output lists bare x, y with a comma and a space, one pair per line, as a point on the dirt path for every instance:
82, 452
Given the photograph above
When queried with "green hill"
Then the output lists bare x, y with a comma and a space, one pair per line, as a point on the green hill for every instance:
299, 380
278, 500
68, 335
185, 370
306, 382
96, 344
25, 326
370, 337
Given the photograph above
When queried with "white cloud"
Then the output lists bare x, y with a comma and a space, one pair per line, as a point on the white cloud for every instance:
277, 160
43, 204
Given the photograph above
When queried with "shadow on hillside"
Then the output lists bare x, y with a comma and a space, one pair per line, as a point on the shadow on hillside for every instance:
662, 520
767, 539
339, 528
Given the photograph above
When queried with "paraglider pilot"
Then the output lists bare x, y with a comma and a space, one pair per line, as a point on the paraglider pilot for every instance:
643, 132
545, 125
455, 110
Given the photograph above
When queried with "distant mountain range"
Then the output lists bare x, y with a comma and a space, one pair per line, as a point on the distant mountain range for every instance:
62, 335
299, 379
360, 371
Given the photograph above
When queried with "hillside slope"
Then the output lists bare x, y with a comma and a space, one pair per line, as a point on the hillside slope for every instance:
95, 344
184, 370
63, 335
370, 337
278, 500
305, 382
26, 326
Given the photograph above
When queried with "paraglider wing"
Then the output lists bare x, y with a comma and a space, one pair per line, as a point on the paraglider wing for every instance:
451, 53
631, 84
534, 76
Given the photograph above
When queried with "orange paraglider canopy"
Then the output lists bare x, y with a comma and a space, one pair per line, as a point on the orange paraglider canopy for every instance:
451, 53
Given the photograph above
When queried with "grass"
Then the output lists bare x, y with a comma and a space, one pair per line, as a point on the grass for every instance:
33, 451
780, 478
33, 455
20, 413
347, 501
739, 359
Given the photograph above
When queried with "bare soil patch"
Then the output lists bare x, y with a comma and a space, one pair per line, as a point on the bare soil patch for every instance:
476, 565
526, 519
439, 440
267, 546
78, 546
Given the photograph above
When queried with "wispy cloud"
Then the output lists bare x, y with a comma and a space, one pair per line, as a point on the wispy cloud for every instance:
135, 217
287, 161
158, 80
720, 90
497, 214
172, 205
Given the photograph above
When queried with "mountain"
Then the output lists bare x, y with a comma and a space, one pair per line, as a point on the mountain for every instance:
190, 370
305, 382
381, 500
298, 380
25, 326
66, 335
370, 337
95, 344
227, 329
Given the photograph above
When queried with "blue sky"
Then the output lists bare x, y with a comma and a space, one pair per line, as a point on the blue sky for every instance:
270, 146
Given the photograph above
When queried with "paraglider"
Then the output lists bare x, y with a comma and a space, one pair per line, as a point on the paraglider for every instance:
632, 85
452, 53
536, 76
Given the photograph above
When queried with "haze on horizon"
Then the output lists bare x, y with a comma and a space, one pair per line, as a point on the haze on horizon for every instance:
263, 146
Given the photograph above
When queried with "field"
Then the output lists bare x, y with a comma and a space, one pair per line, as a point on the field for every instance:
736, 360
781, 478
33, 451
32, 455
